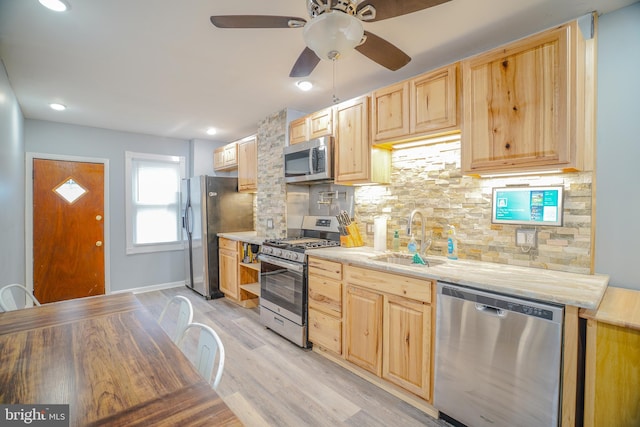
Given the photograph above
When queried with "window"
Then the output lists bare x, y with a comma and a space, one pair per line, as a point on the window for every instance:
153, 202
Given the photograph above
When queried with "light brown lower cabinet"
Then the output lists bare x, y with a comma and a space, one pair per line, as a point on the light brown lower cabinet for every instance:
406, 344
612, 365
325, 304
228, 266
237, 280
363, 329
388, 327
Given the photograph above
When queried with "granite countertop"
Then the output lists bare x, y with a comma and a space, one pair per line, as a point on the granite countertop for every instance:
244, 236
580, 290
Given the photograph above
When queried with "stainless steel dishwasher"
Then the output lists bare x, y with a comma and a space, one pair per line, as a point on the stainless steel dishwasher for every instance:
498, 358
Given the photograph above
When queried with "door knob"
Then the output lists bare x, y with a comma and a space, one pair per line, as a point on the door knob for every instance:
98, 243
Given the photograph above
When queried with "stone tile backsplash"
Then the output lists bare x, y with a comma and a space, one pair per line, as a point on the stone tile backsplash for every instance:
271, 197
429, 178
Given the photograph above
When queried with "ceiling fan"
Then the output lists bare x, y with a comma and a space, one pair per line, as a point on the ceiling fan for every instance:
335, 29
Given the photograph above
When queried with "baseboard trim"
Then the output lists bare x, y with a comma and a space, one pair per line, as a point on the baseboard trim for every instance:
151, 288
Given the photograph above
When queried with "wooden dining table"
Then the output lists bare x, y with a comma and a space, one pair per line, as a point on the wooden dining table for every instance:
109, 360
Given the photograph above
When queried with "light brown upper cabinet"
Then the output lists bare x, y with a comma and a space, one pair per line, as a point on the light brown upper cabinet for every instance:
424, 105
529, 105
248, 165
355, 160
226, 157
311, 126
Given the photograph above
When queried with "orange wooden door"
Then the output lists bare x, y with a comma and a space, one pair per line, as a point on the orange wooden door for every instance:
68, 230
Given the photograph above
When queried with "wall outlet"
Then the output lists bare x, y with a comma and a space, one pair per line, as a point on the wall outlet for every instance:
269, 223
526, 237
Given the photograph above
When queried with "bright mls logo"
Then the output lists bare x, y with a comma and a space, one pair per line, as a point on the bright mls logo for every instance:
34, 415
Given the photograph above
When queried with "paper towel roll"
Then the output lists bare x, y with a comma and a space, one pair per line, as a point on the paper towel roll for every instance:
380, 233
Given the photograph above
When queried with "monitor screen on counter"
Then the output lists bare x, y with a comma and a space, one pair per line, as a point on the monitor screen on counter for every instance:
528, 206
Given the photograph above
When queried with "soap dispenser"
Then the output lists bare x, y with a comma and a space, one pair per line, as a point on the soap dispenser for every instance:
412, 247
396, 241
452, 243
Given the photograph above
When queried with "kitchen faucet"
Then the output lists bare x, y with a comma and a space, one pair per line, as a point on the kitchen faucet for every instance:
423, 221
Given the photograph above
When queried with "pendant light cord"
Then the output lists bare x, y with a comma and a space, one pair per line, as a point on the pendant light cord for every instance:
335, 99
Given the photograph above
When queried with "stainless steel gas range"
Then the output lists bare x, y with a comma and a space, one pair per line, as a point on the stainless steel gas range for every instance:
283, 277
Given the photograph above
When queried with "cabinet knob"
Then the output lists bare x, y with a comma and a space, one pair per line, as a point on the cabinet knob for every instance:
98, 243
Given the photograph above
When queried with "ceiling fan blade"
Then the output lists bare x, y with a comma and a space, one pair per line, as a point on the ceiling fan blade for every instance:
386, 9
384, 53
256, 21
305, 64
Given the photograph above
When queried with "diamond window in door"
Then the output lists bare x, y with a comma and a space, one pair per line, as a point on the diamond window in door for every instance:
70, 190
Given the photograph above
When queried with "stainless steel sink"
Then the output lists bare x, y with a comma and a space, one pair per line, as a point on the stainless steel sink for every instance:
406, 259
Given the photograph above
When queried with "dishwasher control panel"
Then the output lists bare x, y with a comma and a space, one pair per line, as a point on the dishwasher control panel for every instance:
500, 302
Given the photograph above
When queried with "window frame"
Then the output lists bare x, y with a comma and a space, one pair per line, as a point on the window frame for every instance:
137, 248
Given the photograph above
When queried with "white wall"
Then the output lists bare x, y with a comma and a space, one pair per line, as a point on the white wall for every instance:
12, 256
201, 152
618, 149
127, 271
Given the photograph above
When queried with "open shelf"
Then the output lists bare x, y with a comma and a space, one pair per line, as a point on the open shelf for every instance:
252, 288
252, 265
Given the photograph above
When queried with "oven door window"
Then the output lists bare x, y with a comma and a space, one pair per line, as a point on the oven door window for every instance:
283, 286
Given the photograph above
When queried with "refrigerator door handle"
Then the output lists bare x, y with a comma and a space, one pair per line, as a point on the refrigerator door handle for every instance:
189, 222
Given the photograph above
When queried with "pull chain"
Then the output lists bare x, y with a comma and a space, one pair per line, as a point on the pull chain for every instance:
335, 99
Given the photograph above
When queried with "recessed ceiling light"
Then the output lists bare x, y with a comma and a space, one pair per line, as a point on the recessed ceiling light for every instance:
211, 131
55, 5
58, 107
304, 85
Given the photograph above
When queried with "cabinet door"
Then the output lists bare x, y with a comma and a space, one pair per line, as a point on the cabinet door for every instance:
325, 295
363, 329
325, 331
218, 158
320, 123
406, 344
228, 272
390, 112
434, 101
352, 151
231, 155
248, 166
298, 131
516, 105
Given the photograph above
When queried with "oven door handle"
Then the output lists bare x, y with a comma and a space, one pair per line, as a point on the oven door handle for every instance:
298, 268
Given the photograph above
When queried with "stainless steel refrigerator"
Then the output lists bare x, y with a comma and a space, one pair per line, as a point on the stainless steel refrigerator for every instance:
210, 205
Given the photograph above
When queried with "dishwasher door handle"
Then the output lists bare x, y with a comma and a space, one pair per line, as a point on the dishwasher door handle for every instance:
491, 310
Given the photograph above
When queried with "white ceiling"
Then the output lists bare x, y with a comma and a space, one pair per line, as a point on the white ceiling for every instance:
160, 67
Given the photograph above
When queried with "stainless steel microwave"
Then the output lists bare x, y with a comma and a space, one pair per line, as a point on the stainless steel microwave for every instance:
309, 161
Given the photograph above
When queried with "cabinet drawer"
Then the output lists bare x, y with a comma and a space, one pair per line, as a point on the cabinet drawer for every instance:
229, 244
325, 331
325, 268
394, 284
325, 295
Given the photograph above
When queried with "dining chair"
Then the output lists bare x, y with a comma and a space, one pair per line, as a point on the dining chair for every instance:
185, 315
7, 301
209, 345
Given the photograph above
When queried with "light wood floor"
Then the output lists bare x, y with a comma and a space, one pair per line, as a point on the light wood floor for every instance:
268, 381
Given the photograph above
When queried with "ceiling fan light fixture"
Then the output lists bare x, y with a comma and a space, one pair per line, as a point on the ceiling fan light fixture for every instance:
55, 5
304, 85
333, 35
